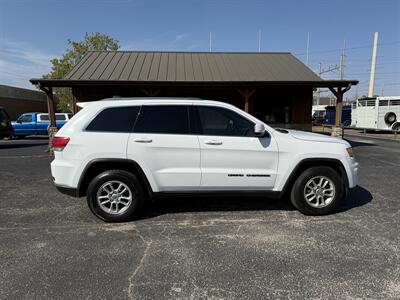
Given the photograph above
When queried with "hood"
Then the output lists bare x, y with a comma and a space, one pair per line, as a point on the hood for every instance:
315, 137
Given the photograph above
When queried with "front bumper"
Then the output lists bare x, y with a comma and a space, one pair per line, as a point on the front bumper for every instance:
353, 175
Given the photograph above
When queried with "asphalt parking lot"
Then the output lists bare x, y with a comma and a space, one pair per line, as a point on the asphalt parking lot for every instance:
51, 247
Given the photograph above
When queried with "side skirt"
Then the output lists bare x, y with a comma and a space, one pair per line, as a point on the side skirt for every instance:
183, 194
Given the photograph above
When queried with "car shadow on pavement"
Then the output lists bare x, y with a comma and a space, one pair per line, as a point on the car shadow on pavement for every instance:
168, 205
355, 144
21, 145
358, 197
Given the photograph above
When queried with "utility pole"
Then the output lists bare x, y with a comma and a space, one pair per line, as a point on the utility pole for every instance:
373, 66
319, 89
383, 90
259, 40
308, 47
210, 41
320, 72
356, 93
341, 63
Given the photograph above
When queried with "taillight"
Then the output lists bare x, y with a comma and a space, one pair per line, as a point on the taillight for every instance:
59, 143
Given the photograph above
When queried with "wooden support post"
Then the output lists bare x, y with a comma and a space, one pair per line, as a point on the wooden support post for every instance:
51, 107
74, 100
337, 130
52, 129
247, 101
339, 103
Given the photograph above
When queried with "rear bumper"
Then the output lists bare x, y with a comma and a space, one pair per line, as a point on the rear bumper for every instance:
73, 192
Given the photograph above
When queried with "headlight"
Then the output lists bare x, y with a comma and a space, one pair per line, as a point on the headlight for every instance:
350, 151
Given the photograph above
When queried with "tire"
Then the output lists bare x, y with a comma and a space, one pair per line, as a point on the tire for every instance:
390, 118
396, 127
108, 186
317, 207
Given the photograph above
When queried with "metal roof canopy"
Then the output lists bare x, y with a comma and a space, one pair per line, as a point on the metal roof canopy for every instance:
211, 69
152, 68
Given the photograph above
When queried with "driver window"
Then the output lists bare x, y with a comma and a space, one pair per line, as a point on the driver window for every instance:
223, 122
25, 118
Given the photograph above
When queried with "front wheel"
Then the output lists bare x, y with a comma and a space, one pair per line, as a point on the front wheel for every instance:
317, 191
115, 196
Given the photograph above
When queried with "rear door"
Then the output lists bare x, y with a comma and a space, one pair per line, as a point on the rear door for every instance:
163, 145
232, 158
42, 123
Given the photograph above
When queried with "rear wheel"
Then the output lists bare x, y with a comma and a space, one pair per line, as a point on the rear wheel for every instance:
317, 191
115, 196
396, 127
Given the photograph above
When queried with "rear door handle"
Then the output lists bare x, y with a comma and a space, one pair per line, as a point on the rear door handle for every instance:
213, 142
143, 140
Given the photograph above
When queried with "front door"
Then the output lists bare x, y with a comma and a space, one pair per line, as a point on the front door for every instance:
164, 147
232, 158
26, 125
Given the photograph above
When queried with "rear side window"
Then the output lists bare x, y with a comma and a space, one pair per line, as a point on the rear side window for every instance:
167, 119
114, 119
60, 117
44, 117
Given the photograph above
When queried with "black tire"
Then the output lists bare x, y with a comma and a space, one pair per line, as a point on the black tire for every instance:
396, 127
390, 118
298, 190
131, 183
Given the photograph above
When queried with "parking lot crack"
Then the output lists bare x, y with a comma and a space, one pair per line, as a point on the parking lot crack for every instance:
138, 268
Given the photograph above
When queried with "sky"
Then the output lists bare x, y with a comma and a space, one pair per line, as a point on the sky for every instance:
34, 31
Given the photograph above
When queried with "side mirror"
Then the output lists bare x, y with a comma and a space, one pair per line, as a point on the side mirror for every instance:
259, 130
19, 121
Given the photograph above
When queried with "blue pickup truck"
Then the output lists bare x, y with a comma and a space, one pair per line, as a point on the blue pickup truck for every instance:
36, 123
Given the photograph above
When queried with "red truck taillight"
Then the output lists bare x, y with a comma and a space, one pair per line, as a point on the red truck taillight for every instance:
59, 143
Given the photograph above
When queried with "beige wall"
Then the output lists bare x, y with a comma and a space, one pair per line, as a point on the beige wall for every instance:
17, 100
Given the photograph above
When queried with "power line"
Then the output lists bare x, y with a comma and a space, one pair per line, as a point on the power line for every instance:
350, 48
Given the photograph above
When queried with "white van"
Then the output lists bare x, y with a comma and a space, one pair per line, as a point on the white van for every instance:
380, 113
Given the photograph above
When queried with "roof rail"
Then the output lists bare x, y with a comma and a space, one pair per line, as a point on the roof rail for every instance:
150, 98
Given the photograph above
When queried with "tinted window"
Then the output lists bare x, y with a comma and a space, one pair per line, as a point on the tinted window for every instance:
384, 103
116, 119
167, 119
223, 122
60, 117
25, 118
44, 117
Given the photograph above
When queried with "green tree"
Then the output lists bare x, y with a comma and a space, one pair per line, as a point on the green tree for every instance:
74, 53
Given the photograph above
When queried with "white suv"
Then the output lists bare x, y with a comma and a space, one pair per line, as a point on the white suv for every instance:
122, 152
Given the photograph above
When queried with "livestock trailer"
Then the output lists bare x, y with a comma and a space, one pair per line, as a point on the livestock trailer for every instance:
380, 113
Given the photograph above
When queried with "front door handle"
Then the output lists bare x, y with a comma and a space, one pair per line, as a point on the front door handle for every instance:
213, 142
143, 140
